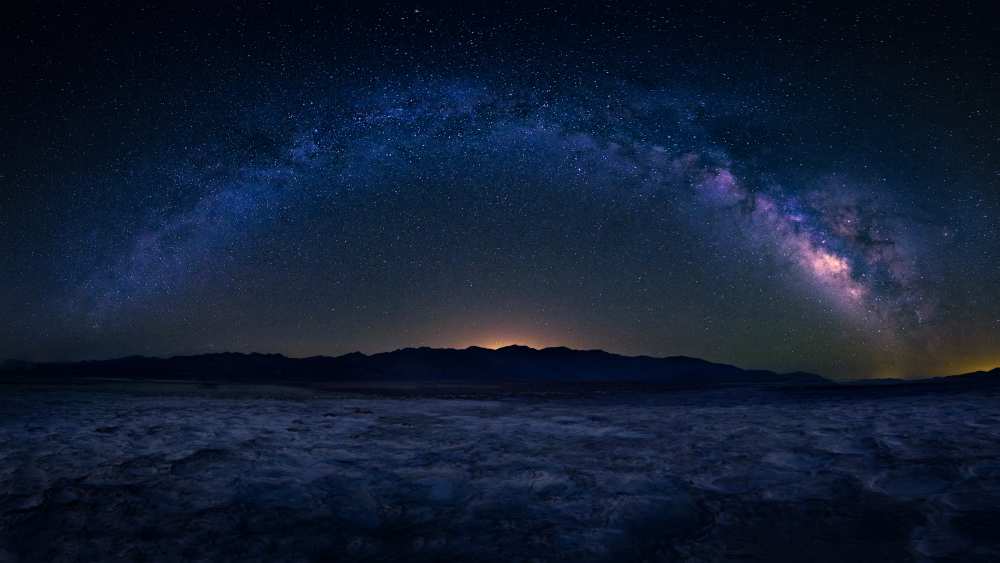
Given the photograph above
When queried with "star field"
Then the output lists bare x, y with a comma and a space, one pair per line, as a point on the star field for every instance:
787, 190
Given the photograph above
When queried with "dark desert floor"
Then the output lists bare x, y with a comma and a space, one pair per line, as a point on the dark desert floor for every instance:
287, 475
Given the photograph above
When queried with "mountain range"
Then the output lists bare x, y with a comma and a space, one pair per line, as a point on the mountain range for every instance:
468, 366
473, 365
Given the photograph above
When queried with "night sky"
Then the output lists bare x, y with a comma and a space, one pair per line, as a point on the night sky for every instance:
794, 189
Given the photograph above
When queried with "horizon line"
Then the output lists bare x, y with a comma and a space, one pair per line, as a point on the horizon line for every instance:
483, 348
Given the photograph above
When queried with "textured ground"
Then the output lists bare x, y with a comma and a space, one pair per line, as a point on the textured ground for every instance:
95, 476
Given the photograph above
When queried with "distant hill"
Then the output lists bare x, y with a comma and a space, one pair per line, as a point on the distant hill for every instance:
978, 381
992, 376
971, 379
512, 364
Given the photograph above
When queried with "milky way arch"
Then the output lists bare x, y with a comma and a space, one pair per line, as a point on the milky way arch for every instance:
649, 140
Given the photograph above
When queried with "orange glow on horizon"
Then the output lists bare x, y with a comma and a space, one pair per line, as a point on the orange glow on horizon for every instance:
978, 365
941, 370
495, 342
504, 342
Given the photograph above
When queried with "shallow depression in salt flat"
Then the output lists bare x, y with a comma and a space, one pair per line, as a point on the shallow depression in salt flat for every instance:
702, 477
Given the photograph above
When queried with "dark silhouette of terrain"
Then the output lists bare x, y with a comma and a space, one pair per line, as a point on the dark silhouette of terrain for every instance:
474, 365
516, 365
601, 461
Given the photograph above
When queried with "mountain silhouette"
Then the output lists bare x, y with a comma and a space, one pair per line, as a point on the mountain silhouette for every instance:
467, 366
473, 365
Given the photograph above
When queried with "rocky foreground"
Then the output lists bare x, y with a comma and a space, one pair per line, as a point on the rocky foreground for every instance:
702, 476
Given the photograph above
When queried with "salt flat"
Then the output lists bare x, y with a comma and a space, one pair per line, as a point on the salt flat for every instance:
99, 475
